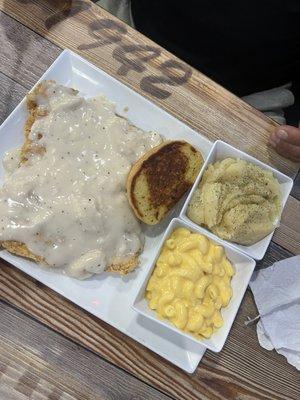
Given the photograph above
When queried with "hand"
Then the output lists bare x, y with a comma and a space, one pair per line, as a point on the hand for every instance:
286, 141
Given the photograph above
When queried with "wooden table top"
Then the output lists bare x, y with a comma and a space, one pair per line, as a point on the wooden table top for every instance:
51, 349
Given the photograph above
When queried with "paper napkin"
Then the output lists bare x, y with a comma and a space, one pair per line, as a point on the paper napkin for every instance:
276, 293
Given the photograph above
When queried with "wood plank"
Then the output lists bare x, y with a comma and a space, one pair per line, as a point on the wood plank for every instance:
11, 94
274, 253
24, 55
296, 189
36, 362
28, 72
241, 370
152, 71
288, 234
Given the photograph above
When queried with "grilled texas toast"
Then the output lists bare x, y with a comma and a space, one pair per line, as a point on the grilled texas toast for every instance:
21, 249
160, 178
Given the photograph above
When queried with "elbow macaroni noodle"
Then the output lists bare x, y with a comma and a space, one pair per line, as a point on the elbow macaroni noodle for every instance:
191, 282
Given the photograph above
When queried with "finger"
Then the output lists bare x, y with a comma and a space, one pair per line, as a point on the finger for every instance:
288, 133
287, 150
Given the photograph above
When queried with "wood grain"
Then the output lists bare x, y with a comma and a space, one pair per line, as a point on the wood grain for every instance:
288, 234
296, 189
24, 70
241, 370
31, 366
199, 102
24, 55
11, 94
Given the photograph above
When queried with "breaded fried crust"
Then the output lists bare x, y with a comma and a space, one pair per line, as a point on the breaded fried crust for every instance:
21, 249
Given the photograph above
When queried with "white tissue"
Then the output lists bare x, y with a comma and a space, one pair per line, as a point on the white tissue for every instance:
276, 292
263, 338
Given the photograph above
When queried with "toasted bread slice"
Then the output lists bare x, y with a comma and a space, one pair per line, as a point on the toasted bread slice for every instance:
159, 179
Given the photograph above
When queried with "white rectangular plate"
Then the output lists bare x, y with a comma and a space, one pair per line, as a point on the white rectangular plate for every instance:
110, 297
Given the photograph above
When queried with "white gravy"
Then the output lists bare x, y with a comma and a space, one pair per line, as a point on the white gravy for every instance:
69, 204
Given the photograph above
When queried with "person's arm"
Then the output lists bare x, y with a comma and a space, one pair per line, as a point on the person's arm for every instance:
286, 141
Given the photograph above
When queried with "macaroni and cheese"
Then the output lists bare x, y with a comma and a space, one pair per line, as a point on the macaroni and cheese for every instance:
191, 283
